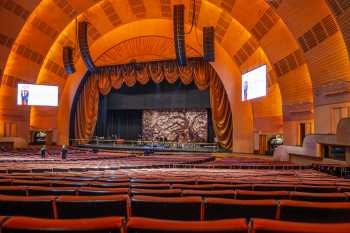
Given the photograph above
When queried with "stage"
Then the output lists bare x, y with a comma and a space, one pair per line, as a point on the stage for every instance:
169, 147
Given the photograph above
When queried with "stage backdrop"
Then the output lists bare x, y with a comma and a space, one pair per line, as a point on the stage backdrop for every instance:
177, 125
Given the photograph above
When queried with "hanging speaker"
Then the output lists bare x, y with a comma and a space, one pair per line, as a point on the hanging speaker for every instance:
68, 59
84, 46
209, 44
179, 34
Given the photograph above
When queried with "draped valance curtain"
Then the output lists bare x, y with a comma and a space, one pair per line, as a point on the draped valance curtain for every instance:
102, 82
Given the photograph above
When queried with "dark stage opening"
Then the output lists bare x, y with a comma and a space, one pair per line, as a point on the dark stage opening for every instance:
175, 112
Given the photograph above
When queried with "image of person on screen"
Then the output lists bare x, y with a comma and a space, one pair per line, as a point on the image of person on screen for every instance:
25, 97
245, 90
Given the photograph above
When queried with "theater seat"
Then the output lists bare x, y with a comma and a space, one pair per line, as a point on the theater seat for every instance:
13, 190
218, 193
147, 225
92, 225
260, 195
54, 191
220, 208
274, 187
175, 208
157, 192
109, 184
274, 226
302, 211
321, 197
92, 206
90, 191
149, 186
41, 207
316, 189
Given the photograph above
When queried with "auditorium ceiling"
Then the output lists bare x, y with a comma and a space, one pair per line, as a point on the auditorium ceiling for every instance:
304, 43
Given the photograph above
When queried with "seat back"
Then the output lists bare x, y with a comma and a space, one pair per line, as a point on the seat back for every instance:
219, 208
274, 187
320, 197
157, 192
261, 195
90, 191
92, 206
41, 207
53, 191
146, 225
316, 189
175, 208
218, 193
13, 190
322, 212
274, 226
31, 225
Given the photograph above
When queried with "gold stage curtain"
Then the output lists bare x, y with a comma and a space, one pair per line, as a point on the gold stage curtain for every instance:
170, 72
116, 79
87, 109
129, 76
156, 72
104, 83
142, 75
186, 74
221, 112
200, 72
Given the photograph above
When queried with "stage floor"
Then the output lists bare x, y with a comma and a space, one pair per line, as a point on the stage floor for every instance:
156, 148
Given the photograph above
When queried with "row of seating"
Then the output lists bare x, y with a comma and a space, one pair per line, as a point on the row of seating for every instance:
176, 208
333, 169
7, 187
232, 194
149, 225
94, 162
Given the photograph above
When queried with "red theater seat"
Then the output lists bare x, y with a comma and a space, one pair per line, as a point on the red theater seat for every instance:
41, 207
260, 195
175, 208
274, 187
219, 208
274, 226
93, 225
149, 186
13, 190
91, 191
302, 211
92, 206
109, 184
157, 192
53, 191
146, 225
213, 193
321, 197
316, 189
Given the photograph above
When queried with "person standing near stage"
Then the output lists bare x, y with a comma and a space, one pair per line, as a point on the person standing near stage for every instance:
43, 152
64, 152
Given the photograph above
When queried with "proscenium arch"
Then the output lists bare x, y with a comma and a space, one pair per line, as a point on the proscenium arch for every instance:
224, 66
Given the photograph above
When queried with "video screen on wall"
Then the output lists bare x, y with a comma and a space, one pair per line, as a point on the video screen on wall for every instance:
37, 95
254, 83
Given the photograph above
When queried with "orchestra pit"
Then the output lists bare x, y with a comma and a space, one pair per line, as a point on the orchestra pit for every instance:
175, 116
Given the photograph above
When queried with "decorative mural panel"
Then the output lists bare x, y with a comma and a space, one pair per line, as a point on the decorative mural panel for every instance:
178, 125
